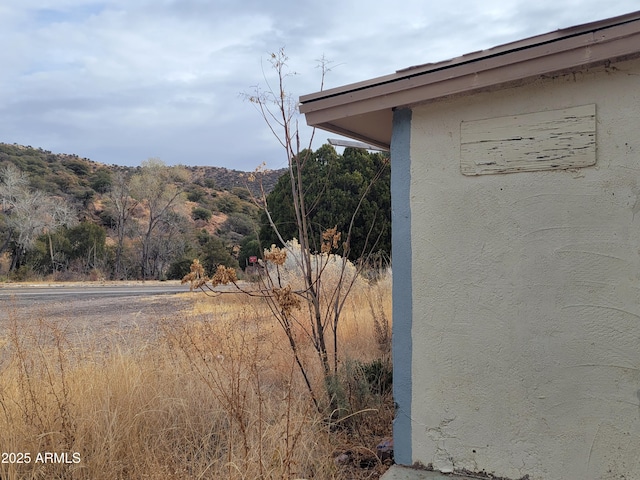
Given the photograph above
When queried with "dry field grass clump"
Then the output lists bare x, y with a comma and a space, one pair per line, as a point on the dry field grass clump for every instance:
215, 394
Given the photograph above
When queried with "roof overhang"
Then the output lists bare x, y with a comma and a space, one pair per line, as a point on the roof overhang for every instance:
363, 111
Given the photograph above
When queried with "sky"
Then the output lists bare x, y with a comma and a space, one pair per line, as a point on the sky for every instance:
121, 81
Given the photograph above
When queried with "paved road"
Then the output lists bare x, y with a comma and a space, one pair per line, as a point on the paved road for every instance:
60, 292
94, 312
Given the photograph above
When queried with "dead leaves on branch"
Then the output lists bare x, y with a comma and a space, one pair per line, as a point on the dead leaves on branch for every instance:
224, 276
284, 296
198, 279
275, 255
330, 239
286, 299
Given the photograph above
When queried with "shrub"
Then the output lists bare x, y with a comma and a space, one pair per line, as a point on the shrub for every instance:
78, 167
101, 181
228, 204
195, 195
241, 192
210, 183
330, 266
199, 213
239, 223
358, 386
378, 375
179, 268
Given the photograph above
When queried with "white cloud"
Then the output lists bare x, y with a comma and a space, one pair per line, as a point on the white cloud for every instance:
122, 80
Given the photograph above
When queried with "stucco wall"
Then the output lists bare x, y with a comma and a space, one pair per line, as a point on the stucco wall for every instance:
526, 293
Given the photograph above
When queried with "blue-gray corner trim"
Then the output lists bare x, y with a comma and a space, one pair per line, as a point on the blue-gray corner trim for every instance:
402, 284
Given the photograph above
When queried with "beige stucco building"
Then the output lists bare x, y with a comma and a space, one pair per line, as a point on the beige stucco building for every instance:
516, 251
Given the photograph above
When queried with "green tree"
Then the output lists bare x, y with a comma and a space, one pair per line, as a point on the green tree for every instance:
101, 180
249, 247
214, 252
336, 186
87, 242
79, 248
49, 252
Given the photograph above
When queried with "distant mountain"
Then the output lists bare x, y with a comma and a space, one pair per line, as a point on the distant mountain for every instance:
226, 179
69, 173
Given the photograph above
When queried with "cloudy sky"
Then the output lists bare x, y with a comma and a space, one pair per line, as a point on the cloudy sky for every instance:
120, 81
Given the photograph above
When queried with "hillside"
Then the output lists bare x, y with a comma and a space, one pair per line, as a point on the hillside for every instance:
211, 218
56, 172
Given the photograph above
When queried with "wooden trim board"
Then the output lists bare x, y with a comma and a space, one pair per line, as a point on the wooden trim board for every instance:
550, 140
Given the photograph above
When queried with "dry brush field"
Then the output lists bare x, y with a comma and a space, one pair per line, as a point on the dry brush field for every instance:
200, 388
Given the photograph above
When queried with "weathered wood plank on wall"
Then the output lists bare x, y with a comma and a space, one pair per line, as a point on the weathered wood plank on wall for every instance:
550, 140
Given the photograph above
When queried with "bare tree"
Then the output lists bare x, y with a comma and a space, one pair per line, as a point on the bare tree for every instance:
30, 213
305, 289
13, 184
156, 188
168, 242
123, 205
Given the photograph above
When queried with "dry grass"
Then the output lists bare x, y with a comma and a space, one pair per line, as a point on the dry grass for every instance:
215, 395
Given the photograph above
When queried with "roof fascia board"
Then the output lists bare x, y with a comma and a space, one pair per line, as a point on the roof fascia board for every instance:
546, 38
419, 85
329, 127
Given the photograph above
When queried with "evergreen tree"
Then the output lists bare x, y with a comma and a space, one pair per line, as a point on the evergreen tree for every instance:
335, 187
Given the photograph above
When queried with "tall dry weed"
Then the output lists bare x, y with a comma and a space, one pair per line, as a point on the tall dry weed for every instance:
212, 395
